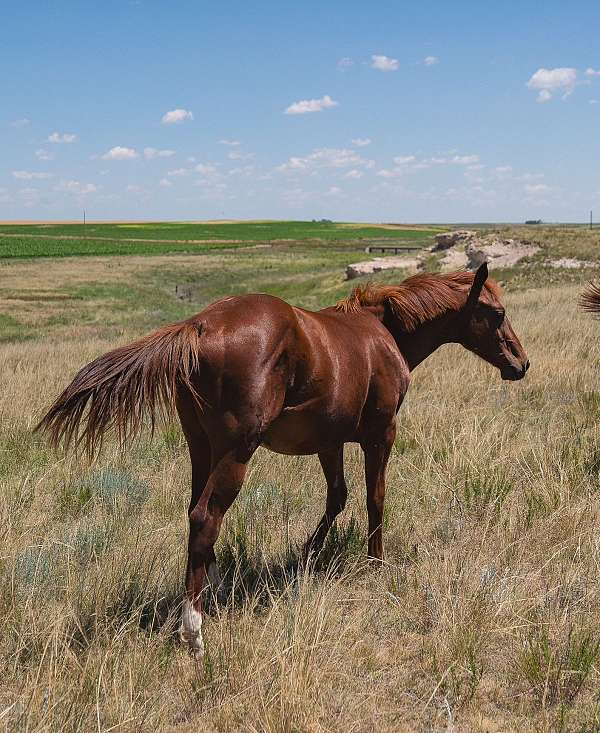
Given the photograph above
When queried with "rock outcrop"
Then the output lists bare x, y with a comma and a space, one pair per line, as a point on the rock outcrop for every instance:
445, 240
369, 267
469, 249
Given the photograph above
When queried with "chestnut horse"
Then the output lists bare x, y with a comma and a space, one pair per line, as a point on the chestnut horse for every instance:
252, 370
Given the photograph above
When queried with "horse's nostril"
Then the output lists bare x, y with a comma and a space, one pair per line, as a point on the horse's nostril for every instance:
527, 365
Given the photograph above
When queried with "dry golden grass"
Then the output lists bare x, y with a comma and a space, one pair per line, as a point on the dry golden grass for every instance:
486, 616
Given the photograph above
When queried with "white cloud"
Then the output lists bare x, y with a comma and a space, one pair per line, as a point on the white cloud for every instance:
390, 172
549, 81
404, 159
236, 155
361, 142
593, 101
431, 60
325, 158
544, 96
165, 183
384, 63
179, 172
30, 176
76, 187
345, 63
23, 122
120, 153
334, 191
58, 138
44, 155
176, 115
536, 189
231, 143
354, 174
592, 72
310, 105
206, 169
151, 153
407, 163
464, 159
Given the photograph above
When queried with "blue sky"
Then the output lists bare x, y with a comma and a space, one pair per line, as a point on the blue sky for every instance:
387, 111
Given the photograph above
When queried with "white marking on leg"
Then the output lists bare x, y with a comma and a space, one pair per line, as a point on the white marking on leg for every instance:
190, 631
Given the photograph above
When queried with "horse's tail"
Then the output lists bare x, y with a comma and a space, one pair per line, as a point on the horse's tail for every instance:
123, 386
589, 299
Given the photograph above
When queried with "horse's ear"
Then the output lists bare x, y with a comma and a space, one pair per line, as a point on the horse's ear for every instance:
478, 282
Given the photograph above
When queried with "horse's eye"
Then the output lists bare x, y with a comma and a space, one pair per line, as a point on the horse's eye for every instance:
500, 315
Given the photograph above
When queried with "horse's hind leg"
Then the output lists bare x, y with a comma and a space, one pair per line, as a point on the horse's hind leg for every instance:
223, 485
332, 463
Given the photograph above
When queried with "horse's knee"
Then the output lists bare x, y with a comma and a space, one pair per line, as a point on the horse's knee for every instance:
204, 530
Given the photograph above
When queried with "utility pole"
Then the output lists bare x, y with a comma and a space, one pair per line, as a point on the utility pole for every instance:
591, 221
84, 234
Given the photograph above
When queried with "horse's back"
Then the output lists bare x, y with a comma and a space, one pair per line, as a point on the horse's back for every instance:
303, 379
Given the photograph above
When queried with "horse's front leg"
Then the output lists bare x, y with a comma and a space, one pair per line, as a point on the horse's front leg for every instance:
377, 451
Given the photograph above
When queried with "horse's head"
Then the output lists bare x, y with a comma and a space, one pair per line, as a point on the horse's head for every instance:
486, 331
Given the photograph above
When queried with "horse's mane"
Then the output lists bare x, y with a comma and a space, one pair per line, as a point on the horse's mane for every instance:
419, 298
589, 299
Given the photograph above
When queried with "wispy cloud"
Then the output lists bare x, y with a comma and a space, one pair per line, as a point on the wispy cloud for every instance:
120, 153
31, 175
237, 155
549, 81
151, 153
361, 142
178, 172
206, 169
76, 187
165, 183
175, 116
23, 122
325, 158
311, 105
592, 72
345, 63
407, 163
231, 143
61, 138
44, 155
384, 63
431, 60
536, 189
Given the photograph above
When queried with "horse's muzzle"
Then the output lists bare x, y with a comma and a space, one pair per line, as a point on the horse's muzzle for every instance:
514, 373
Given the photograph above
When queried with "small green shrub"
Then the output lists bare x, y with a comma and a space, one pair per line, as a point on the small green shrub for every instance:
90, 540
108, 487
37, 569
481, 491
556, 669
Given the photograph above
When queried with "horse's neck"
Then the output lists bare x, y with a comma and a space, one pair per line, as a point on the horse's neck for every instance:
429, 336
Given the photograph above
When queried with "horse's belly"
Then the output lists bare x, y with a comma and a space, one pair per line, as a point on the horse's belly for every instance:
301, 432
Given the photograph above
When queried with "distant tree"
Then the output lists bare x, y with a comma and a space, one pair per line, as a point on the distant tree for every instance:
533, 221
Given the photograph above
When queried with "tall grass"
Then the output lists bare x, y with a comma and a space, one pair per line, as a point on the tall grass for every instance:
484, 617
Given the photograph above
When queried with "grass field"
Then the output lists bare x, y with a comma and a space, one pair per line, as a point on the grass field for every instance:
486, 616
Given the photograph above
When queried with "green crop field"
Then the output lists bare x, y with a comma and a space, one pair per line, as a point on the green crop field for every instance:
53, 240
